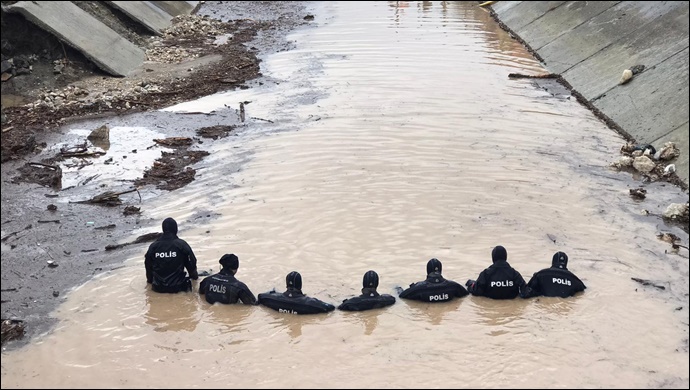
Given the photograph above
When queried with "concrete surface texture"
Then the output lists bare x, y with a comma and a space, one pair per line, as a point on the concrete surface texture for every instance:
148, 15
591, 43
109, 51
175, 8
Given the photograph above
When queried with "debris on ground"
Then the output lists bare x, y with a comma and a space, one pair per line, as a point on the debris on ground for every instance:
42, 173
677, 212
652, 164
12, 329
108, 198
160, 84
638, 193
646, 282
80, 150
174, 142
671, 239
131, 210
148, 237
215, 132
169, 172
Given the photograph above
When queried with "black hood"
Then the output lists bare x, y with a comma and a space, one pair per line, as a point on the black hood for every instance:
434, 266
559, 260
230, 261
294, 280
370, 280
169, 227
499, 254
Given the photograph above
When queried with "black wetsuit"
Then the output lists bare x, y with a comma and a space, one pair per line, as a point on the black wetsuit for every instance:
166, 260
434, 289
370, 299
499, 281
555, 282
293, 301
223, 287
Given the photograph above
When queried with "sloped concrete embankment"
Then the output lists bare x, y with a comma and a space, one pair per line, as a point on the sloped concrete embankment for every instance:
591, 43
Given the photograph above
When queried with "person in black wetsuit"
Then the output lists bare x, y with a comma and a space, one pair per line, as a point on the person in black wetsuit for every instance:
435, 288
166, 260
370, 298
223, 287
293, 301
556, 281
500, 280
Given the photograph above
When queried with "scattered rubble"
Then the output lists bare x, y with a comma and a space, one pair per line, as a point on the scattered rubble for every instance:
215, 132
652, 164
171, 170
156, 86
677, 212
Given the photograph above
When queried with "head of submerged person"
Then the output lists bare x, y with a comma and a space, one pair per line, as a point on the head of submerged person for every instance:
499, 253
559, 260
370, 280
433, 266
169, 226
293, 280
230, 262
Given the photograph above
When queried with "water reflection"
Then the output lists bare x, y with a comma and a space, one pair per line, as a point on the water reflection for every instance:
498, 312
226, 318
294, 323
433, 313
555, 306
369, 318
171, 312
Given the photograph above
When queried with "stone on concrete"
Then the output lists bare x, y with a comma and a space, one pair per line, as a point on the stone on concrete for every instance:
644, 164
95, 40
676, 211
150, 16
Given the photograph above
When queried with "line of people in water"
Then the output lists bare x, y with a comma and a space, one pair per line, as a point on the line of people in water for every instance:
169, 256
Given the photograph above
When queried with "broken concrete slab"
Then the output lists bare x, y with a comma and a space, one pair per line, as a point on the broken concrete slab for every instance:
98, 42
148, 15
175, 8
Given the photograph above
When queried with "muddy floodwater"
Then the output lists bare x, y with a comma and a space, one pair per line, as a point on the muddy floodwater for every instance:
391, 134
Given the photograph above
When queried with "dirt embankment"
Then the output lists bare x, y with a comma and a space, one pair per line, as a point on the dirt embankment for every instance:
49, 245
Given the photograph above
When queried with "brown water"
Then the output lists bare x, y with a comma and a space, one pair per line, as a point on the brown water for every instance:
398, 137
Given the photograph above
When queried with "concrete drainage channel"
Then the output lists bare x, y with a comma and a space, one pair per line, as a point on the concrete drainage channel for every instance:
591, 44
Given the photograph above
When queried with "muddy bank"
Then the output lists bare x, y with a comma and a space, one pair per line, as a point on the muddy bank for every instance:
53, 239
